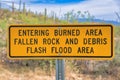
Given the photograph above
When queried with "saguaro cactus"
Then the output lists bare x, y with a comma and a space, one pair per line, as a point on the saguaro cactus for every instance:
23, 7
45, 15
13, 7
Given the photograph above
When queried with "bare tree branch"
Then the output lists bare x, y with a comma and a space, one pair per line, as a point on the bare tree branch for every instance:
118, 15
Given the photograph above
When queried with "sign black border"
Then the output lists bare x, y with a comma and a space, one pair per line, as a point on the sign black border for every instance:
33, 57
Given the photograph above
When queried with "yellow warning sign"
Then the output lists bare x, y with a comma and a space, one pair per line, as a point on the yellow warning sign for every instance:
60, 41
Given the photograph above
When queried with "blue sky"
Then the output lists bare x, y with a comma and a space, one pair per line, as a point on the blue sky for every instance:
48, 1
101, 9
56, 1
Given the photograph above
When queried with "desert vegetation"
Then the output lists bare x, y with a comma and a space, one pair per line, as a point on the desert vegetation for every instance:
35, 69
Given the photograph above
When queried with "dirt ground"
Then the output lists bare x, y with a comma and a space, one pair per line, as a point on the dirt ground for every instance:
6, 74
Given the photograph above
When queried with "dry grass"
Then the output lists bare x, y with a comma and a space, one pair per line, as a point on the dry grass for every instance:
38, 74
7, 74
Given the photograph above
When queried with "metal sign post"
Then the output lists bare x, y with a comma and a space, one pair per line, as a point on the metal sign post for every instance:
60, 75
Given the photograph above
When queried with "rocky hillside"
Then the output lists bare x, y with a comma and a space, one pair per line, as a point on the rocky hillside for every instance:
75, 69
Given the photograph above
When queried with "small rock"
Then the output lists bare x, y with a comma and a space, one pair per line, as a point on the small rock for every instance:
10, 19
4, 38
1, 30
80, 79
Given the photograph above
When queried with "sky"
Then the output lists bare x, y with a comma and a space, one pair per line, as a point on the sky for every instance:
101, 9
